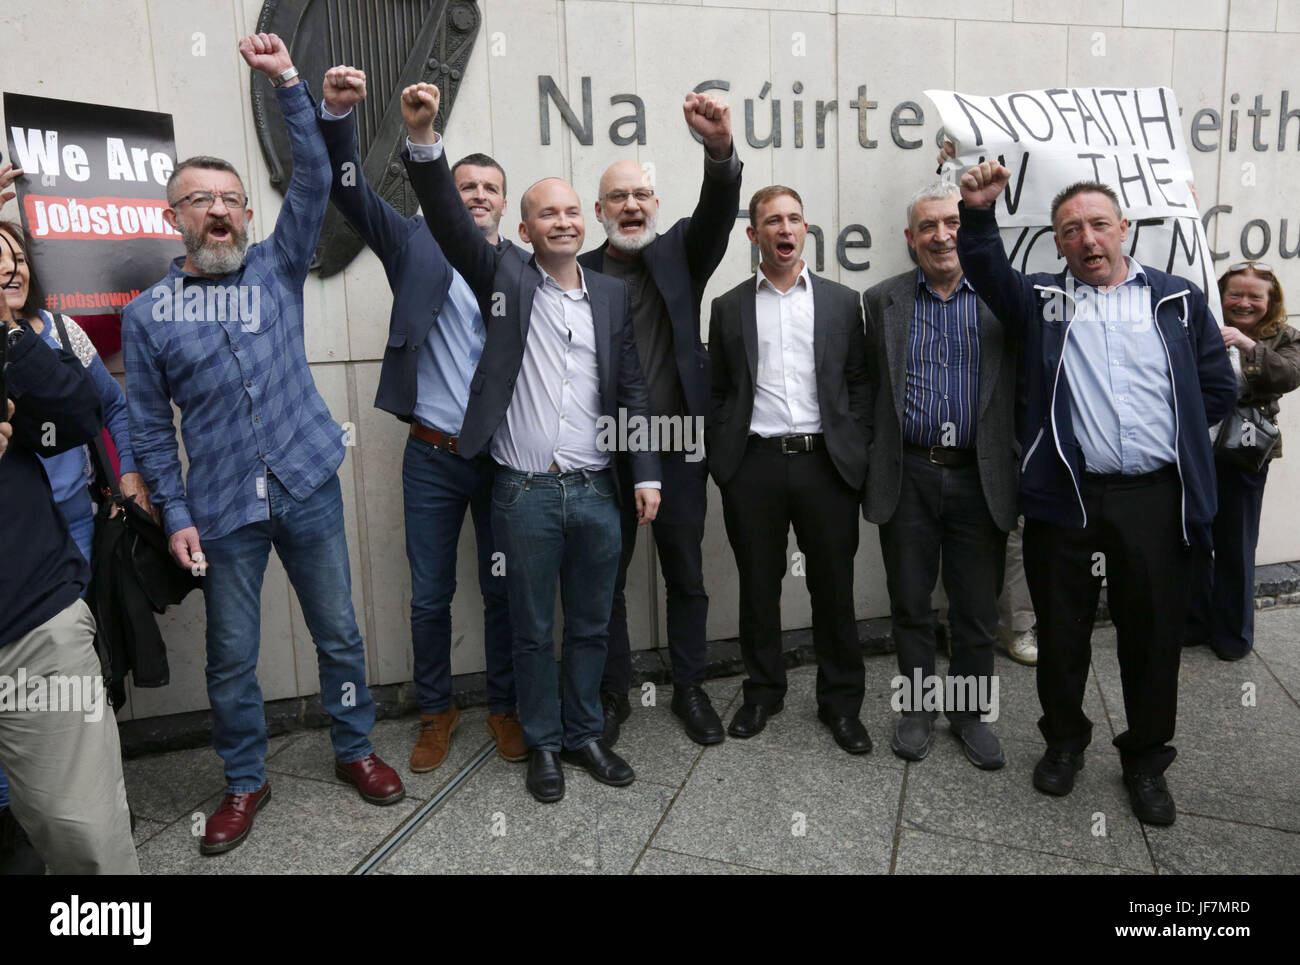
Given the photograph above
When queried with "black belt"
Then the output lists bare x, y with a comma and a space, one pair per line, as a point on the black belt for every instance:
789, 445
1166, 472
943, 456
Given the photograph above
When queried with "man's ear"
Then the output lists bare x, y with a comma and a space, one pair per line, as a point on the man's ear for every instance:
1123, 229
598, 216
169, 215
751, 234
523, 233
911, 242
1057, 240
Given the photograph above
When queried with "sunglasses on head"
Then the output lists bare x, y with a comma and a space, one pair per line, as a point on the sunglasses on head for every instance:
1257, 266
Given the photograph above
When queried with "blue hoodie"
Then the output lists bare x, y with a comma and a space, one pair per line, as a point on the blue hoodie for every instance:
1052, 466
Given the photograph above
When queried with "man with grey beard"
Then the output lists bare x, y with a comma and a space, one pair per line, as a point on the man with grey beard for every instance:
263, 449
666, 276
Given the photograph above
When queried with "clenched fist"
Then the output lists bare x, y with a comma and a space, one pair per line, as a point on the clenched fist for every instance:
419, 109
710, 117
981, 185
343, 89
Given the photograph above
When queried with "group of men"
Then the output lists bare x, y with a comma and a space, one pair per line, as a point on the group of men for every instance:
934, 405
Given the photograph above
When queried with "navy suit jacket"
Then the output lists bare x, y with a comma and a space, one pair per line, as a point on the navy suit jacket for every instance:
681, 261
505, 286
418, 272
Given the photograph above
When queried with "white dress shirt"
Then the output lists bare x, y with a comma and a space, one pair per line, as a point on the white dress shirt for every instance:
785, 396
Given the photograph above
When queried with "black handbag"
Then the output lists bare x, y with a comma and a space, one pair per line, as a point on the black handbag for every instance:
1246, 437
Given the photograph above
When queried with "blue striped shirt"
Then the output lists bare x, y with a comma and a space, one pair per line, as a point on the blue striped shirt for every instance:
230, 354
943, 368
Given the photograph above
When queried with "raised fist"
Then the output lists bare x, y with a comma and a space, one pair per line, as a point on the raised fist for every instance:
981, 185
343, 89
267, 54
419, 108
710, 117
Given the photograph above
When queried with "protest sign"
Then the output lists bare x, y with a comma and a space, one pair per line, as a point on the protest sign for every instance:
1127, 138
92, 197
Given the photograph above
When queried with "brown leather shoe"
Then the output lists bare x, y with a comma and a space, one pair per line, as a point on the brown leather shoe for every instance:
377, 782
231, 822
509, 736
435, 739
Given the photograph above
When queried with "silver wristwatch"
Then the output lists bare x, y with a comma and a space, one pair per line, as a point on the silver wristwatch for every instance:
284, 78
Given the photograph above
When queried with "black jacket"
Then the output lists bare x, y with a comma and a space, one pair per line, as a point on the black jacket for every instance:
41, 570
681, 261
843, 390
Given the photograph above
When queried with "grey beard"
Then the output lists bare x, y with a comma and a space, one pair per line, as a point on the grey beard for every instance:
629, 246
212, 258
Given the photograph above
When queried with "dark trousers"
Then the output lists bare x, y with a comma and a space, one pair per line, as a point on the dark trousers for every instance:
1135, 537
678, 532
769, 493
942, 514
1222, 612
437, 486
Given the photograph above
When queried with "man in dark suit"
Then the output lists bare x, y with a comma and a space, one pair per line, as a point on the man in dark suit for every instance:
942, 475
788, 445
666, 275
435, 337
559, 363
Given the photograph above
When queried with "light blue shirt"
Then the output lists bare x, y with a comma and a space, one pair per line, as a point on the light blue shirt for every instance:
447, 360
1121, 399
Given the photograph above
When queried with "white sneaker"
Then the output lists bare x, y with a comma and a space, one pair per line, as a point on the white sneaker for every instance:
1023, 647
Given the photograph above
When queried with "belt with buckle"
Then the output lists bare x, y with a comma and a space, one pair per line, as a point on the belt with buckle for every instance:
943, 456
789, 445
439, 440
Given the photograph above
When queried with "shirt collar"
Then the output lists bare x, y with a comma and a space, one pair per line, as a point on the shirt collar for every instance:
1135, 272
923, 284
760, 277
548, 280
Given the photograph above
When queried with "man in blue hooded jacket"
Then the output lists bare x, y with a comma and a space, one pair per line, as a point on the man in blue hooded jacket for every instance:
1124, 374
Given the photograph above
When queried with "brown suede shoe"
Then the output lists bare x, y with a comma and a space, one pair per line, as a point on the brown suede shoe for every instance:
509, 736
231, 822
435, 739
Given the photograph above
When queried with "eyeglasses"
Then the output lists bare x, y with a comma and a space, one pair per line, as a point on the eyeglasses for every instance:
620, 197
206, 199
1251, 266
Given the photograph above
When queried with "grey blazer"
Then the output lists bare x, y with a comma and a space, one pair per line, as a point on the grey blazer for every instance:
889, 307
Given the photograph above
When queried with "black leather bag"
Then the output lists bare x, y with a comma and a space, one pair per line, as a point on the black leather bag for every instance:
1246, 437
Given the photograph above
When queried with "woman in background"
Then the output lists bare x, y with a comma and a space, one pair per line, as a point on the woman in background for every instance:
1254, 314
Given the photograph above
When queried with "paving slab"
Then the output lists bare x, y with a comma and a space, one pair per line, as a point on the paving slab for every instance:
1196, 845
926, 853
491, 825
1277, 643
308, 827
947, 795
656, 862
652, 739
795, 804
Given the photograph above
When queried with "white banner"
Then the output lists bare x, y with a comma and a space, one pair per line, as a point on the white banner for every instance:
1129, 139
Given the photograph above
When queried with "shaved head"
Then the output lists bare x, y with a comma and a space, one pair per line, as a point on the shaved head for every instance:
622, 173
524, 202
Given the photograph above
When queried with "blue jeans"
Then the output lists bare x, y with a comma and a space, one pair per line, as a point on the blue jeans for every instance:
308, 537
564, 524
437, 485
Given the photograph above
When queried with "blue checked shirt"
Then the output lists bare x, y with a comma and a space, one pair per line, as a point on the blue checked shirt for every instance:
230, 354
943, 367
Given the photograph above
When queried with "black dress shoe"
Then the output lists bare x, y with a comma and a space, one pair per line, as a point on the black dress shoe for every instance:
1054, 774
601, 763
1150, 797
545, 780
752, 718
848, 732
699, 719
617, 709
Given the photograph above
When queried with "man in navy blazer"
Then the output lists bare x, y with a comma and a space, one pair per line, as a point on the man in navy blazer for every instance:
435, 337
558, 369
666, 275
